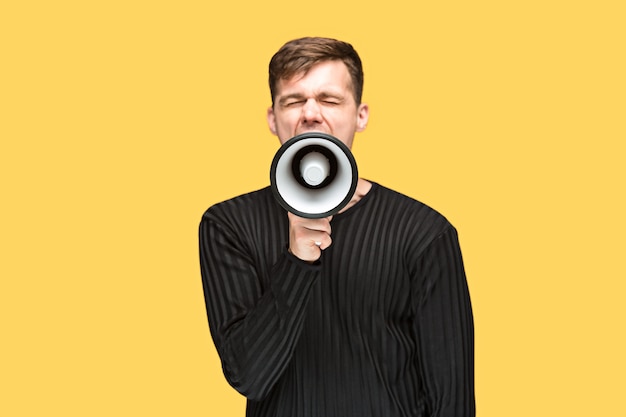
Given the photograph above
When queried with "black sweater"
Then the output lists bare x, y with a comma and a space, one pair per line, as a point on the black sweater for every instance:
380, 326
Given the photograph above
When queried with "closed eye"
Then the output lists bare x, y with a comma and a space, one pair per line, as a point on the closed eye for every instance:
330, 99
292, 100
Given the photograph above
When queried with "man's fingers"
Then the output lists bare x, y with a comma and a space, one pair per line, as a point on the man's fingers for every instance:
322, 240
308, 237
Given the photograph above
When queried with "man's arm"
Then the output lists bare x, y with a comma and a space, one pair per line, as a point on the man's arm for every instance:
255, 329
445, 330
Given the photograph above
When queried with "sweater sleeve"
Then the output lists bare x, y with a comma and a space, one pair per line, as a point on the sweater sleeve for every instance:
255, 326
444, 328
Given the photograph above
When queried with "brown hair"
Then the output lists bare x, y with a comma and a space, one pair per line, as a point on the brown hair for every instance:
300, 55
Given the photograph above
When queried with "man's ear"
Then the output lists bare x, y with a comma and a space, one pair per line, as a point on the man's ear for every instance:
363, 116
271, 120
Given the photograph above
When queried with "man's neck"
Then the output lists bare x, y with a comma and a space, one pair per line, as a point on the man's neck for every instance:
363, 187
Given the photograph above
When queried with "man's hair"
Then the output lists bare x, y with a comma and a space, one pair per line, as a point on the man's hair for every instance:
300, 55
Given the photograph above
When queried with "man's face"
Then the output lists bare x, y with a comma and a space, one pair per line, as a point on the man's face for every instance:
321, 100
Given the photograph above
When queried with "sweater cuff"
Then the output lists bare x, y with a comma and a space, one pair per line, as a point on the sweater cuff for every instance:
293, 258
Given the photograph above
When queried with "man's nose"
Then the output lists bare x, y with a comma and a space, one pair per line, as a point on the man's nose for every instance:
311, 112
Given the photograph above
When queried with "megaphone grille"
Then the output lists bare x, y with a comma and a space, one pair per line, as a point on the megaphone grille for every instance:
329, 197
296, 165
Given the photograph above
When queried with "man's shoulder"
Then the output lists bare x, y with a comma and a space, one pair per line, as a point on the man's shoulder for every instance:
240, 205
409, 214
418, 222
246, 198
403, 203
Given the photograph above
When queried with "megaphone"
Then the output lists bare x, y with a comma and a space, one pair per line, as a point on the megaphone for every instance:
313, 175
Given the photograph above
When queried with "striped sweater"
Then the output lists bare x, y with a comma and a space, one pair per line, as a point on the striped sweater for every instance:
380, 326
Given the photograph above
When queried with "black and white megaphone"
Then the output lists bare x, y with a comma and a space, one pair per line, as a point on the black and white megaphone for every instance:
314, 175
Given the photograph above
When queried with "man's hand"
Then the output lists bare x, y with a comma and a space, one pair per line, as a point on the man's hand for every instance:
308, 237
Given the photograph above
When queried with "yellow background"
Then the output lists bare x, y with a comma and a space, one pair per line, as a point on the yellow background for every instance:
122, 121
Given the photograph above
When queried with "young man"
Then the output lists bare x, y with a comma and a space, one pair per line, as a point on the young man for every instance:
368, 318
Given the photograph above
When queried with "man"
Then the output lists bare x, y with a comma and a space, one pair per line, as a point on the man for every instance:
369, 317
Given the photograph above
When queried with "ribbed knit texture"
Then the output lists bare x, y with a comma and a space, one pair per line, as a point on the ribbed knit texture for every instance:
380, 326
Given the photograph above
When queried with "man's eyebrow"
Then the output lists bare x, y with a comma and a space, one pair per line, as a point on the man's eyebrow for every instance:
291, 96
330, 94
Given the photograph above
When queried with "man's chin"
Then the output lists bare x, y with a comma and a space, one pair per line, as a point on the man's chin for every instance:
303, 131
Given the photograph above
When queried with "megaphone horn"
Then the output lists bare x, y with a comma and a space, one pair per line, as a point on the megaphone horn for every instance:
313, 175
